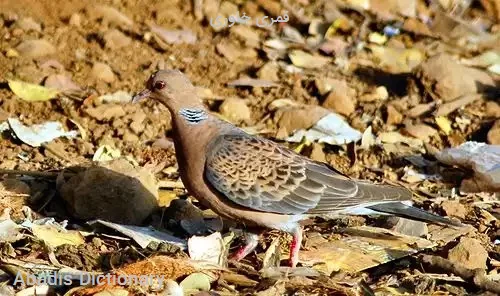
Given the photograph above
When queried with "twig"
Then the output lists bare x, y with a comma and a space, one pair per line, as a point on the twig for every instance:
170, 184
475, 276
30, 173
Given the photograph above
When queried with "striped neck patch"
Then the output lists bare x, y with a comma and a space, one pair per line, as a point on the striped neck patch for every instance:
193, 116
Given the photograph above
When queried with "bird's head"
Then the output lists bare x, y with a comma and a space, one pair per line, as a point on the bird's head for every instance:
171, 88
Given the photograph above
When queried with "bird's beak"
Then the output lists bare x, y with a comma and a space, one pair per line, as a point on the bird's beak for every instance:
142, 95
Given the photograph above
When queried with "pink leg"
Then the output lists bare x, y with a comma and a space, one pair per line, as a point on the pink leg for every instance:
295, 247
252, 240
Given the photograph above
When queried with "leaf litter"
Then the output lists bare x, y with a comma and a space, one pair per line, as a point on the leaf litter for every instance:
390, 92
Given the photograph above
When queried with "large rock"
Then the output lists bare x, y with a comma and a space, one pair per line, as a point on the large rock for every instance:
448, 80
470, 253
114, 191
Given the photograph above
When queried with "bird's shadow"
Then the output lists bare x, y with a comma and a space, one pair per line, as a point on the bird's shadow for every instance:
396, 84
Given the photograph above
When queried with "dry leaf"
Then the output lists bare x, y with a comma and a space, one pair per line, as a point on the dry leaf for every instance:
208, 248
32, 92
196, 282
55, 237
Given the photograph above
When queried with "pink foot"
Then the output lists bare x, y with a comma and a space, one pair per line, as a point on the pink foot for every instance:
295, 247
252, 240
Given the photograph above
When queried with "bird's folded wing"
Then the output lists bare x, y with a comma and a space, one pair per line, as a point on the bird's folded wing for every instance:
259, 174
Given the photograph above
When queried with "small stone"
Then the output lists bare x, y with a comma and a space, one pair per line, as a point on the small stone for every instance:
420, 131
494, 134
103, 72
492, 109
75, 20
235, 53
393, 115
114, 39
269, 71
341, 98
227, 8
235, 110
454, 209
137, 125
35, 48
11, 53
247, 35
106, 112
293, 118
325, 85
109, 15
129, 136
411, 227
28, 24
470, 253
379, 94
317, 153
60, 82
30, 73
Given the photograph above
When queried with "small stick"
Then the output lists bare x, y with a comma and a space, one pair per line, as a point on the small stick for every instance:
30, 173
475, 276
170, 184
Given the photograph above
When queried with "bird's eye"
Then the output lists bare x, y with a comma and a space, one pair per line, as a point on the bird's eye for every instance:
159, 85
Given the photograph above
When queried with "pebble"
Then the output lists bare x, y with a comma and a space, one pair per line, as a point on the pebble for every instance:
60, 82
28, 24
379, 94
137, 124
235, 110
103, 72
269, 71
492, 109
247, 34
11, 53
129, 136
110, 15
341, 98
470, 253
30, 73
393, 116
75, 20
325, 85
294, 118
35, 48
317, 153
411, 227
106, 112
234, 53
494, 134
114, 39
454, 209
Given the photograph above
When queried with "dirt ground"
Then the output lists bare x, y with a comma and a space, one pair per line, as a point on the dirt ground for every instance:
420, 91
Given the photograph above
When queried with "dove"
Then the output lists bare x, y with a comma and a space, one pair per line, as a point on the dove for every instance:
258, 182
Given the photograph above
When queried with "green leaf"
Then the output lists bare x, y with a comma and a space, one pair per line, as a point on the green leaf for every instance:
32, 92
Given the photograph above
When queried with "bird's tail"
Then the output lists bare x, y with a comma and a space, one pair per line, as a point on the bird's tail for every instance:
405, 211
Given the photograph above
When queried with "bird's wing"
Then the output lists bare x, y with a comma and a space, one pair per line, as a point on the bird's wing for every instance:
259, 174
